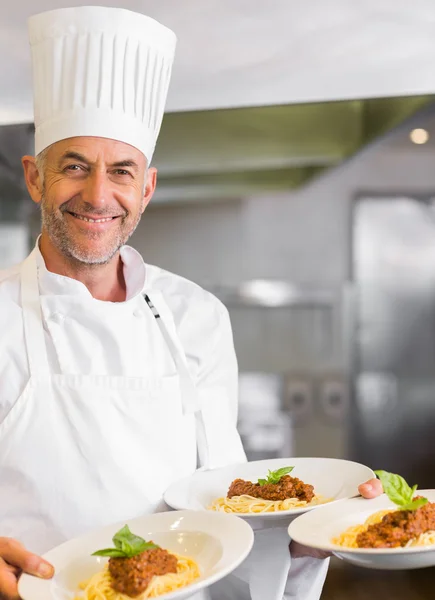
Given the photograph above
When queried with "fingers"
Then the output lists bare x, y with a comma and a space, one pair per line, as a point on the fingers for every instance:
371, 489
14, 553
15, 570
8, 581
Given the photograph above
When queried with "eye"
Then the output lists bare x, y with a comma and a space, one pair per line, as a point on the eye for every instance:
73, 168
122, 172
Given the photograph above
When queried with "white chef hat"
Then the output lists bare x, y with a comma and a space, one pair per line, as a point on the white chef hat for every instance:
101, 72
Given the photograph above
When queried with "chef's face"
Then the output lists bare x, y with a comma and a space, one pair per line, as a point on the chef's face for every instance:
92, 193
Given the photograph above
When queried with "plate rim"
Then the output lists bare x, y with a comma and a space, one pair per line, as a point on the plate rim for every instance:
26, 581
337, 550
275, 515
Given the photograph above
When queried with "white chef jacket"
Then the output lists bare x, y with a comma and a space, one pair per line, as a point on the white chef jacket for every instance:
87, 337
122, 346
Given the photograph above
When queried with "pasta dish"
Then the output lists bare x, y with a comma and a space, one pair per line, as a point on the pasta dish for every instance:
278, 492
412, 523
138, 569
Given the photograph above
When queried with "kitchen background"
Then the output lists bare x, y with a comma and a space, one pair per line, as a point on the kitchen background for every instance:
309, 209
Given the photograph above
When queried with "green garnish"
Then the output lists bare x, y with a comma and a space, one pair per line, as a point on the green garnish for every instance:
399, 492
126, 545
275, 476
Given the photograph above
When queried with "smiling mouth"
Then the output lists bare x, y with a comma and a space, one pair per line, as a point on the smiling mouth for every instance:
91, 220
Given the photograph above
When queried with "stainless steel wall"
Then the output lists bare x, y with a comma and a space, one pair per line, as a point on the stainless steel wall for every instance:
393, 418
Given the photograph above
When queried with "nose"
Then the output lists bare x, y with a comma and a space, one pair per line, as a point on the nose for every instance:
96, 191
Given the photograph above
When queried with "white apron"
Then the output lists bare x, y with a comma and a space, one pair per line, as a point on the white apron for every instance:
81, 451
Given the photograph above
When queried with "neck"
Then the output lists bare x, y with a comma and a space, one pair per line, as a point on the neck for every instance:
105, 282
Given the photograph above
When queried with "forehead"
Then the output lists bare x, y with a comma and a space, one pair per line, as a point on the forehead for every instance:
97, 149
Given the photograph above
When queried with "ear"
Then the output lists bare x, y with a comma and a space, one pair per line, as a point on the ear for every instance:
150, 186
32, 178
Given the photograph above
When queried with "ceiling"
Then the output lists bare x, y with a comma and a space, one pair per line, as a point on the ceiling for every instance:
239, 53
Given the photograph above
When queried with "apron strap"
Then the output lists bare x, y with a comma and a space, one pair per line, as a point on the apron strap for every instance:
188, 390
189, 393
34, 336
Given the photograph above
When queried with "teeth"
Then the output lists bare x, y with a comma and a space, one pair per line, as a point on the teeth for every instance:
93, 220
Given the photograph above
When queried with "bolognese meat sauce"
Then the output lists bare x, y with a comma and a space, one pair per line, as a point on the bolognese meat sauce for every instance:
287, 487
398, 528
131, 576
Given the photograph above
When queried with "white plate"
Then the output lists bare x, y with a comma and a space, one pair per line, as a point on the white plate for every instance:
332, 478
317, 529
217, 543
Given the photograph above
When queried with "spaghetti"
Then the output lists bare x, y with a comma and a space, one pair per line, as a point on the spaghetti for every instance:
246, 504
277, 492
100, 586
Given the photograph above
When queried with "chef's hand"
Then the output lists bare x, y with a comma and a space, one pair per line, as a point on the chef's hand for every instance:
14, 560
371, 489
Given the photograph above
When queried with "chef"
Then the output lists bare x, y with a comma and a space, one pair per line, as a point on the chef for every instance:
116, 377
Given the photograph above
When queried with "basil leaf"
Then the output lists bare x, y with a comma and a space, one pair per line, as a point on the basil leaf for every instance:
399, 492
117, 543
284, 471
275, 476
120, 536
396, 488
415, 504
126, 540
112, 552
127, 544
269, 477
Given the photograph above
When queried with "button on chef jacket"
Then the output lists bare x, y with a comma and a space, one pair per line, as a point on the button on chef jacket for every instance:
94, 423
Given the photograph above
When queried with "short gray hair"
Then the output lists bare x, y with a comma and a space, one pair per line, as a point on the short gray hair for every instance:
40, 161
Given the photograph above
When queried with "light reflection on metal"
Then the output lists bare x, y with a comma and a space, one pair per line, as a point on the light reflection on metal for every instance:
270, 293
267, 292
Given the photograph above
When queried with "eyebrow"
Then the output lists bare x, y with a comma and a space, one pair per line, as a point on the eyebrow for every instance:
129, 162
126, 163
74, 156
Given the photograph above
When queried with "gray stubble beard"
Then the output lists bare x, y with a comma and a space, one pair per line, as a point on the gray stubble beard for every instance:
56, 230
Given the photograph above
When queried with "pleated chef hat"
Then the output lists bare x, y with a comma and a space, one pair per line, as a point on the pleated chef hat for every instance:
101, 72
